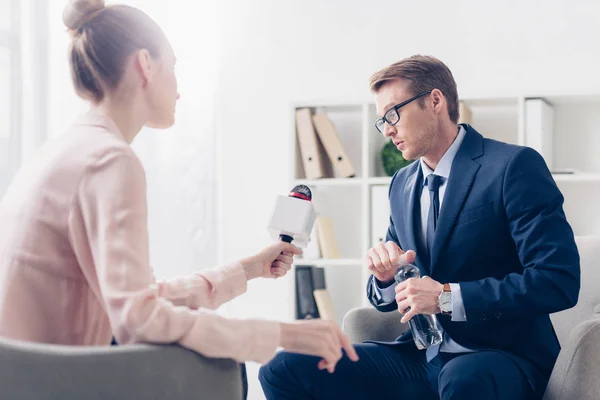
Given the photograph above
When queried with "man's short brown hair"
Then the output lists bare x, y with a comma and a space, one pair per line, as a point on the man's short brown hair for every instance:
423, 74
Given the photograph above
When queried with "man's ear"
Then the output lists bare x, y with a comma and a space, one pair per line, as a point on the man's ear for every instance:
143, 63
437, 100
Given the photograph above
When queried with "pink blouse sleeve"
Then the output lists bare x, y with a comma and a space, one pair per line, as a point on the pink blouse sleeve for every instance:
206, 289
111, 205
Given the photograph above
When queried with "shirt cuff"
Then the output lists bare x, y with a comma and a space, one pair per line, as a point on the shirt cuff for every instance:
386, 295
458, 307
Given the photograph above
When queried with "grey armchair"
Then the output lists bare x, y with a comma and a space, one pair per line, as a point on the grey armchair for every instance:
38, 371
576, 374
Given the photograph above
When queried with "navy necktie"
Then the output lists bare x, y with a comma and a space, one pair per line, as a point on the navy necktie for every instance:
433, 184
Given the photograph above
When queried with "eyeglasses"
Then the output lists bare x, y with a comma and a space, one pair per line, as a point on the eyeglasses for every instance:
391, 116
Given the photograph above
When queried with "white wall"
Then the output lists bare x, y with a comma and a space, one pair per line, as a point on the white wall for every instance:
180, 162
279, 51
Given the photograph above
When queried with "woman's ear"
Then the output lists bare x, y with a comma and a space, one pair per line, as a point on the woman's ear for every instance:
145, 65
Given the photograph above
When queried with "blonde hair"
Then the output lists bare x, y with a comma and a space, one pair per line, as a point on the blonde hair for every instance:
102, 40
423, 74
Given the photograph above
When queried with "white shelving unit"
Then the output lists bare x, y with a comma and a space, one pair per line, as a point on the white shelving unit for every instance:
348, 201
332, 262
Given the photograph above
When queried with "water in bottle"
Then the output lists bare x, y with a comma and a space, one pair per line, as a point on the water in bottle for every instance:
425, 328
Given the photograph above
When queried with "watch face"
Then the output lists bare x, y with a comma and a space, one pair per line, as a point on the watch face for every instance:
446, 302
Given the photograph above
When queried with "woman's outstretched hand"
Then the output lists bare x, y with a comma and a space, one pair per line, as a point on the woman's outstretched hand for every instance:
272, 262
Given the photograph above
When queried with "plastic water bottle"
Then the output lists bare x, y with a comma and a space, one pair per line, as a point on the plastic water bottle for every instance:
425, 328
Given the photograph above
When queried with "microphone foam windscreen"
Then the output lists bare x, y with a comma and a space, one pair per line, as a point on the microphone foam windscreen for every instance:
303, 190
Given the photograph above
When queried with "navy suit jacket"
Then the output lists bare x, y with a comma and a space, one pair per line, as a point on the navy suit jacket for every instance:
503, 236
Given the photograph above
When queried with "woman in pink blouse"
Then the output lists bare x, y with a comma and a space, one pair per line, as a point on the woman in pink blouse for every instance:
74, 264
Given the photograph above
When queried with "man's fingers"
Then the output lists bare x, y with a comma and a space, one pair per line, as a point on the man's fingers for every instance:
382, 252
394, 253
392, 243
376, 261
401, 286
404, 307
402, 296
408, 316
406, 258
409, 257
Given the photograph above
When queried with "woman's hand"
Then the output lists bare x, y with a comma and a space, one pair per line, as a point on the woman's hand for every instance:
317, 338
272, 262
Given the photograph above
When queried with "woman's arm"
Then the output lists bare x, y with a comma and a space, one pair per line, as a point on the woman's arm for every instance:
108, 229
207, 289
210, 289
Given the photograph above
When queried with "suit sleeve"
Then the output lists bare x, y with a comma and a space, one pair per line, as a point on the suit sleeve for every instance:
550, 279
373, 292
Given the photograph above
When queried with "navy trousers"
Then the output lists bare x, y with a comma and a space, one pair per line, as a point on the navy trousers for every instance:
399, 372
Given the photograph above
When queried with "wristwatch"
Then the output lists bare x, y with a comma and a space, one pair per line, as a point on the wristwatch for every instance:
445, 300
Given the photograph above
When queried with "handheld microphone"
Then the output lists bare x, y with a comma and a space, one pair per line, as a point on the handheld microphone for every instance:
293, 217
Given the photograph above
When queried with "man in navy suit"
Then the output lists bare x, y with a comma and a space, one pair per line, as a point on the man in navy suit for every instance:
483, 221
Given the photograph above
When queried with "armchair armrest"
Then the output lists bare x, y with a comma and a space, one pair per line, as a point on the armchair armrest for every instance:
40, 371
575, 374
366, 323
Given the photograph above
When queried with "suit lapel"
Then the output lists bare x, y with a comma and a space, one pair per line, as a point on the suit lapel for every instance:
412, 216
462, 175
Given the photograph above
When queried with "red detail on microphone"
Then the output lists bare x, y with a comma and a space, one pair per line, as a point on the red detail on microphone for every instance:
299, 196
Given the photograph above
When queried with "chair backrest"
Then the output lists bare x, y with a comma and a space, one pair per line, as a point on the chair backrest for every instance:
588, 305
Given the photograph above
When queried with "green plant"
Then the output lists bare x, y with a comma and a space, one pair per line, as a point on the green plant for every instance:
392, 159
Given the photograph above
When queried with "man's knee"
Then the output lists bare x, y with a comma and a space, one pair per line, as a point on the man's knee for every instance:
267, 373
454, 384
281, 367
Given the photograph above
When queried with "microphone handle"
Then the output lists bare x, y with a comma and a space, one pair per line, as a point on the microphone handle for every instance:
286, 238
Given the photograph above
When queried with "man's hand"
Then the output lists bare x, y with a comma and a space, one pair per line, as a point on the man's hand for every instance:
384, 260
421, 295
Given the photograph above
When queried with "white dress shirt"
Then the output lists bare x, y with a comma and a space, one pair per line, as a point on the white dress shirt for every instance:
388, 295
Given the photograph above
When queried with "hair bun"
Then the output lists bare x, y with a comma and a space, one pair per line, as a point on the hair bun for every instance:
78, 12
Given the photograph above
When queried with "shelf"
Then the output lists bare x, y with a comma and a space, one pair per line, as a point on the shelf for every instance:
379, 180
490, 101
577, 177
385, 180
329, 262
329, 182
572, 99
